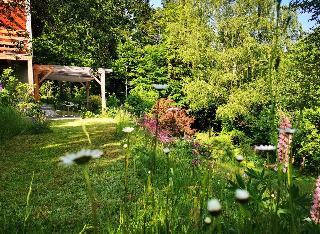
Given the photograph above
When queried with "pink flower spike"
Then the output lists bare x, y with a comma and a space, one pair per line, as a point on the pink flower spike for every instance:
315, 209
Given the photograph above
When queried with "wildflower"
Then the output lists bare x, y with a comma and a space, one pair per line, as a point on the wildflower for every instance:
214, 206
207, 220
166, 150
315, 209
284, 140
242, 195
307, 219
239, 158
125, 146
160, 86
173, 109
290, 130
150, 124
264, 148
81, 157
127, 129
196, 162
284, 169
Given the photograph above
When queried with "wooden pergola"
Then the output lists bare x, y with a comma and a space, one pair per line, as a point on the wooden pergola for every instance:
70, 73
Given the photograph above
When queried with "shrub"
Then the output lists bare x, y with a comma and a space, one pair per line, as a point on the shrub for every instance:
307, 141
14, 91
141, 99
12, 123
173, 119
113, 101
96, 104
87, 114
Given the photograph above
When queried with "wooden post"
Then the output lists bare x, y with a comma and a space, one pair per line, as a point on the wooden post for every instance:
36, 83
87, 92
103, 89
30, 72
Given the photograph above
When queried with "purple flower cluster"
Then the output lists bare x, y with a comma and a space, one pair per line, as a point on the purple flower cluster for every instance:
150, 124
315, 209
284, 141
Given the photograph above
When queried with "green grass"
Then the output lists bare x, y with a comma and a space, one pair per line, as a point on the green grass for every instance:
58, 199
59, 202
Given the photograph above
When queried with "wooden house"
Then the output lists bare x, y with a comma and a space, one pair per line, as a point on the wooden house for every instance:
15, 38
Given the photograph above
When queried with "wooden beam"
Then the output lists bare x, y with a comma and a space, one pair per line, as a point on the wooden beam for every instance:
96, 79
45, 76
21, 57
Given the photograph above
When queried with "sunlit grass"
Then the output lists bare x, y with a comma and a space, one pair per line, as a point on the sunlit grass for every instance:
58, 192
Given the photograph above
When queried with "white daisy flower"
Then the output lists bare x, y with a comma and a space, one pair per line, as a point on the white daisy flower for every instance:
264, 148
127, 129
160, 86
173, 109
207, 220
125, 146
290, 130
214, 206
239, 158
242, 195
81, 157
166, 150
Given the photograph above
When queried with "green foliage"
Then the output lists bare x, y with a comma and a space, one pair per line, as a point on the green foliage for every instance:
13, 91
83, 33
113, 101
141, 99
307, 141
17, 101
95, 104
87, 114
12, 123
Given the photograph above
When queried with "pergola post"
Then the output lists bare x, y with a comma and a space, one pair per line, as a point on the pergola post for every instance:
87, 92
36, 83
103, 89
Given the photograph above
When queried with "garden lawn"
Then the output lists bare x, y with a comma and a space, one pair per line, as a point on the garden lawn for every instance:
58, 199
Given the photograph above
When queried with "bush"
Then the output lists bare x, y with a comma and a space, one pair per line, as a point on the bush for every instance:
14, 91
113, 101
96, 104
12, 123
87, 114
141, 100
307, 141
173, 119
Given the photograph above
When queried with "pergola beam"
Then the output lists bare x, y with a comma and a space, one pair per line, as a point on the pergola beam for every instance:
72, 74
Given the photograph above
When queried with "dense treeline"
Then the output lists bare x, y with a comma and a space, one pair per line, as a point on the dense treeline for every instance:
235, 65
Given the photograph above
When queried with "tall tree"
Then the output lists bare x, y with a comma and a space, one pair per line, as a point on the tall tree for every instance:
83, 33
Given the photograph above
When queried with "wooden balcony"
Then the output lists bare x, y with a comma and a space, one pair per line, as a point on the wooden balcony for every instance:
13, 42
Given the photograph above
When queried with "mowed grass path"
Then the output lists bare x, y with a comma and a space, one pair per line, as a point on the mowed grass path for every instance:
58, 199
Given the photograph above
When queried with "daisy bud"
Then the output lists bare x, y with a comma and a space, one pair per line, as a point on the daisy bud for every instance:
207, 220
214, 207
166, 150
127, 129
242, 195
239, 158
